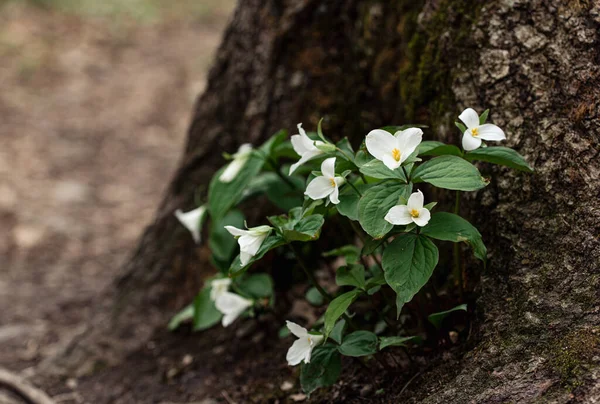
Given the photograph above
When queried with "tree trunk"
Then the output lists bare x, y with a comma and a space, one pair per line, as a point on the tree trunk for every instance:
366, 64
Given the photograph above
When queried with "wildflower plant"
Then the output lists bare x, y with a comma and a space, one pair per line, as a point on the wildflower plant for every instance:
378, 191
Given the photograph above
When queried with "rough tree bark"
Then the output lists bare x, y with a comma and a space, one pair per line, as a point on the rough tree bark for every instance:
364, 64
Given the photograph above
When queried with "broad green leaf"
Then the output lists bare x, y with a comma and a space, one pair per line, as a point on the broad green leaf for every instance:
462, 128
385, 342
337, 307
376, 169
257, 286
346, 147
279, 192
269, 147
428, 145
450, 172
371, 245
222, 244
376, 280
450, 227
186, 314
338, 331
500, 155
359, 343
375, 204
307, 229
224, 195
351, 275
350, 252
484, 116
349, 198
323, 370
408, 263
271, 242
437, 318
433, 148
205, 313
314, 297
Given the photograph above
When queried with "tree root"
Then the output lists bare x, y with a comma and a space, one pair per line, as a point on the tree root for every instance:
17, 385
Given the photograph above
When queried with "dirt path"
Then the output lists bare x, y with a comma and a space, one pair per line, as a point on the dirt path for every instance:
93, 114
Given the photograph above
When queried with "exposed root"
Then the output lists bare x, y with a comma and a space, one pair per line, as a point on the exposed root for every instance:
17, 385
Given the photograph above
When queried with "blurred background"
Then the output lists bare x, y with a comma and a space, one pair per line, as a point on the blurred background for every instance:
95, 99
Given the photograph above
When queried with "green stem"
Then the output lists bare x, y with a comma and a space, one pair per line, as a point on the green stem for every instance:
309, 274
456, 252
355, 189
344, 154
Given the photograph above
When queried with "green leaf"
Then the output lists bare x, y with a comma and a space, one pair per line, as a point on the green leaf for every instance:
433, 148
437, 318
257, 286
186, 314
385, 342
283, 195
323, 370
273, 142
351, 275
375, 204
408, 263
314, 297
462, 128
205, 313
376, 169
450, 172
222, 245
359, 343
337, 307
320, 131
223, 195
338, 331
483, 117
371, 245
500, 155
271, 242
307, 229
376, 280
450, 227
346, 147
350, 252
349, 198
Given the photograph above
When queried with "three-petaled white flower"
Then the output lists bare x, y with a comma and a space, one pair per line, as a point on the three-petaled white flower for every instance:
412, 212
218, 287
305, 147
192, 221
327, 184
232, 306
475, 132
249, 240
301, 349
393, 150
238, 162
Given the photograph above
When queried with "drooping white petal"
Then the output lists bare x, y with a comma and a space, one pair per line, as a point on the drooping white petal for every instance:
319, 188
232, 170
302, 143
380, 143
192, 221
470, 118
305, 157
398, 215
390, 162
423, 218
234, 231
295, 329
298, 351
408, 141
491, 132
231, 305
259, 230
218, 287
251, 243
328, 167
334, 196
245, 257
469, 142
314, 341
416, 200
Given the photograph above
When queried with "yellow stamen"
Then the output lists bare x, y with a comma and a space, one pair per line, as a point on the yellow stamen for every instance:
396, 154
332, 182
475, 132
414, 213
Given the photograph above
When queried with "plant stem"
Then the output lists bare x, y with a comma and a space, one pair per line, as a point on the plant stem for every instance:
456, 252
355, 189
309, 274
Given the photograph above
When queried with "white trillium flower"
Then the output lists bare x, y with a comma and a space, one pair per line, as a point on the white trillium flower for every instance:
238, 162
393, 150
218, 287
232, 306
327, 185
192, 221
249, 240
305, 147
301, 349
412, 212
475, 132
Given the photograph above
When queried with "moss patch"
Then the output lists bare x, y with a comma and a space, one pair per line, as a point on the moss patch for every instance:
572, 353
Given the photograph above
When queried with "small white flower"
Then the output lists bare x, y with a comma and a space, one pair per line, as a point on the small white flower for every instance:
192, 221
218, 287
475, 132
232, 306
412, 212
249, 240
326, 185
305, 147
301, 349
393, 150
238, 162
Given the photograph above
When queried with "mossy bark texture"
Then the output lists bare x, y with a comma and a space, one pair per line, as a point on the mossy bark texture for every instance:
365, 64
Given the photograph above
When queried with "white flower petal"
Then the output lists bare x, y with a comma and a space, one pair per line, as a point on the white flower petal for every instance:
245, 257
416, 200
470, 118
231, 305
314, 340
244, 150
259, 230
469, 142
250, 243
305, 157
334, 196
218, 287
408, 141
192, 221
423, 218
380, 143
234, 231
319, 188
491, 132
235, 166
297, 352
390, 162
328, 167
296, 329
301, 143
398, 215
